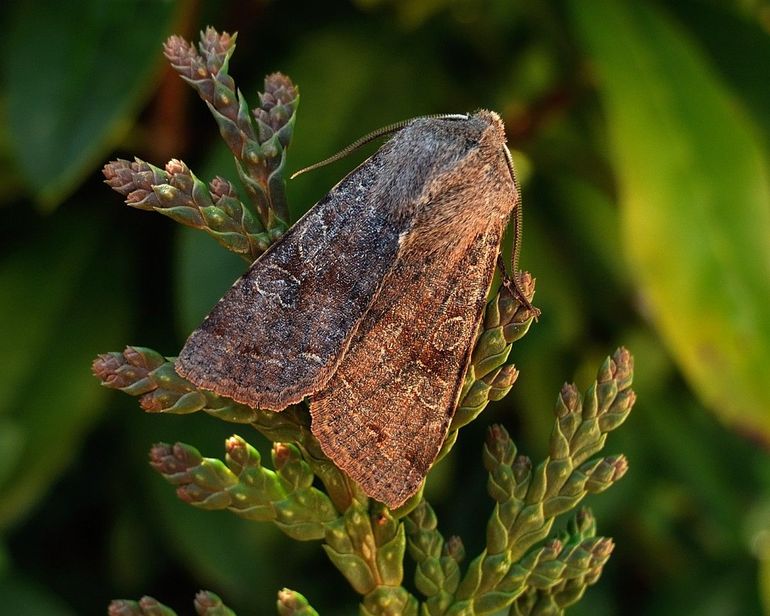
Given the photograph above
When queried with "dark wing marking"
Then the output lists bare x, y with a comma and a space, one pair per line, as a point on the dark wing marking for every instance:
384, 414
278, 333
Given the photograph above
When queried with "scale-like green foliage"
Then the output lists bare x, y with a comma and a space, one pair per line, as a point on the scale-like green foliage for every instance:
364, 540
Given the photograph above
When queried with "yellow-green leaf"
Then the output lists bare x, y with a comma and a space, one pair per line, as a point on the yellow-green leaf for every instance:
695, 207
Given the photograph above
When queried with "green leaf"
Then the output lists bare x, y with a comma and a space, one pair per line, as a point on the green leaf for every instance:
739, 48
205, 271
55, 313
73, 78
695, 203
21, 597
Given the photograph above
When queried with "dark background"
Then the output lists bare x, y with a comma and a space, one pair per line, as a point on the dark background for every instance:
640, 131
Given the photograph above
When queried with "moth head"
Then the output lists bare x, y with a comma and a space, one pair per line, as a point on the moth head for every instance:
494, 129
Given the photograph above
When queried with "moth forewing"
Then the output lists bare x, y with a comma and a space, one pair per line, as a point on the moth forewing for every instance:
384, 414
278, 333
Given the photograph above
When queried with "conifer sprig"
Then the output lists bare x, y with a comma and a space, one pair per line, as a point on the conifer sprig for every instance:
588, 558
520, 571
367, 544
490, 376
139, 371
258, 140
260, 152
242, 485
437, 575
528, 499
177, 193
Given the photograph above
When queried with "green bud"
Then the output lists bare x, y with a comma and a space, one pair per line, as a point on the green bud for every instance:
569, 401
570, 594
606, 371
503, 381
240, 455
188, 216
469, 584
146, 606
499, 449
493, 316
582, 525
522, 472
454, 549
618, 412
624, 368
305, 514
174, 461
290, 466
538, 485
390, 558
606, 393
429, 577
203, 498
508, 306
517, 330
587, 441
123, 607
491, 352
292, 603
209, 604
590, 403
606, 473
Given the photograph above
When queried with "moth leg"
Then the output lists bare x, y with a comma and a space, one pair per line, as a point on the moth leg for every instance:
513, 284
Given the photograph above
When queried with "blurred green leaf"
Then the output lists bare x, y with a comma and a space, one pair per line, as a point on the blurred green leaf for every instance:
592, 244
204, 273
11, 445
73, 77
739, 49
695, 203
412, 13
37, 281
55, 310
21, 597
11, 184
764, 581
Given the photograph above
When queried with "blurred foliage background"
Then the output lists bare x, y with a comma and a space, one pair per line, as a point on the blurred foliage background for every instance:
641, 131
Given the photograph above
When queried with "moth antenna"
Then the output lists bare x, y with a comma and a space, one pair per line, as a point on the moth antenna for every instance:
380, 132
518, 231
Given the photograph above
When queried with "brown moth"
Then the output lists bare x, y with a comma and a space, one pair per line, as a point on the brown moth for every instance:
369, 304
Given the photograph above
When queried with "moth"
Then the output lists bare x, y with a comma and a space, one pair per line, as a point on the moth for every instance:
368, 306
